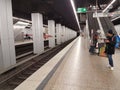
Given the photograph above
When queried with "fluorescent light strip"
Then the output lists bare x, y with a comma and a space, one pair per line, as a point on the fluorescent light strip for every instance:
108, 6
18, 27
115, 18
74, 10
22, 23
20, 19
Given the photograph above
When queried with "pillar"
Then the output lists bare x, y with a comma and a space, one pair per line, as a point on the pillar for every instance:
7, 47
51, 32
58, 33
67, 37
63, 33
37, 27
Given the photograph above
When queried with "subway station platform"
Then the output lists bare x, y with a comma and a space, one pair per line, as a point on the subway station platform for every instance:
80, 71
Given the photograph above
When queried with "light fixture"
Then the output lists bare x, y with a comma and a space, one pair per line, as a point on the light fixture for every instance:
22, 23
108, 6
75, 13
23, 20
18, 27
115, 18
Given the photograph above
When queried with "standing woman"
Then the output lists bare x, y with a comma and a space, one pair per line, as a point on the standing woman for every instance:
110, 48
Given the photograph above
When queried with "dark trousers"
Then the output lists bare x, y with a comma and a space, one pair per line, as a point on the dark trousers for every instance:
110, 60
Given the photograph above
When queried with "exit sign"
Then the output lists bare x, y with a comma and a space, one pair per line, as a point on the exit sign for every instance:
81, 10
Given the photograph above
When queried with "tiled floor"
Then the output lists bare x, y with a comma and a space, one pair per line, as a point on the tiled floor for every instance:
82, 71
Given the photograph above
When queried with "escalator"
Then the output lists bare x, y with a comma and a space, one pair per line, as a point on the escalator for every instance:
92, 23
104, 25
107, 25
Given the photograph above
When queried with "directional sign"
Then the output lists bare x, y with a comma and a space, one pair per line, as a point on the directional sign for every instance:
81, 10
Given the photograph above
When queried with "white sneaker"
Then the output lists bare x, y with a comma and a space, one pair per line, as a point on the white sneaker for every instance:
108, 66
112, 68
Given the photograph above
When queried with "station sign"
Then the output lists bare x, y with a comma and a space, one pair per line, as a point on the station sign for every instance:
81, 10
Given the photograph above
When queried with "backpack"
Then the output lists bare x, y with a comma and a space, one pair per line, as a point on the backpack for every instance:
116, 41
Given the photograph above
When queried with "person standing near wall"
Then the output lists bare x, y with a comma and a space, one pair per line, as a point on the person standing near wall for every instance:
110, 48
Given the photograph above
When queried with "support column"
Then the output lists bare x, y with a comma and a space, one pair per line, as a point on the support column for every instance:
62, 38
51, 31
67, 37
37, 27
63, 33
58, 33
69, 34
7, 47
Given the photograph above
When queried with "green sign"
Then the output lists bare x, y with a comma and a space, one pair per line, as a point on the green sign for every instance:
81, 10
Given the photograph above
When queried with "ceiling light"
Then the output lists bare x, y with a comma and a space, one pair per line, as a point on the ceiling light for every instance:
75, 13
23, 20
22, 23
115, 18
108, 6
18, 27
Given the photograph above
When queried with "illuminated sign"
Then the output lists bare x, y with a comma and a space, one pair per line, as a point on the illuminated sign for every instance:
81, 10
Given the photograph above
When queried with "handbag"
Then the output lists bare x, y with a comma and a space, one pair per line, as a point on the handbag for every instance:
102, 52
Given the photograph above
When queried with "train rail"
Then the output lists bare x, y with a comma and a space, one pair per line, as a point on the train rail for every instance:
14, 77
28, 47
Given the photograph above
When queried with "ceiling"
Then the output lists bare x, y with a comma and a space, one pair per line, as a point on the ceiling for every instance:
58, 10
86, 3
115, 5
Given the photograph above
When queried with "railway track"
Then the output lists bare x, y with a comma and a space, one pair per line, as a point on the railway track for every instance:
28, 47
12, 78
